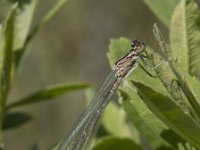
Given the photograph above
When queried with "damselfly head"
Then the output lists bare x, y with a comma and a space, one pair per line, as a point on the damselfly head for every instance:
137, 45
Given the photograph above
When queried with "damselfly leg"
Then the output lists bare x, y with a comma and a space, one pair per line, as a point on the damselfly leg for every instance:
146, 67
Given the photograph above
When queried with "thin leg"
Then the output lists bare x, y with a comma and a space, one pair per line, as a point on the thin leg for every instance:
148, 56
148, 67
146, 71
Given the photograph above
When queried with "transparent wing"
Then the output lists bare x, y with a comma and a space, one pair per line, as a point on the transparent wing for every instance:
90, 118
87, 122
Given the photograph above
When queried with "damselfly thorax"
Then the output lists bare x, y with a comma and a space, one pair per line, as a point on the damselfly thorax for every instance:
128, 61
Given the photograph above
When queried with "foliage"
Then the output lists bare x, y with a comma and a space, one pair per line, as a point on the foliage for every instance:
156, 113
163, 112
15, 38
162, 10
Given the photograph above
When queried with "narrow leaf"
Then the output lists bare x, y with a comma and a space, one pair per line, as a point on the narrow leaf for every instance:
15, 119
185, 36
148, 125
177, 72
170, 81
164, 108
8, 55
48, 93
163, 10
2, 42
172, 138
51, 13
23, 22
176, 141
116, 143
23, 19
194, 85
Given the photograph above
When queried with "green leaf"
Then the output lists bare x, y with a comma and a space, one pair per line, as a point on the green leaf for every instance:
149, 126
172, 138
116, 144
2, 42
48, 93
185, 36
165, 109
23, 21
114, 121
163, 10
186, 146
170, 81
175, 68
117, 48
8, 67
194, 86
4, 9
176, 141
15, 119
51, 13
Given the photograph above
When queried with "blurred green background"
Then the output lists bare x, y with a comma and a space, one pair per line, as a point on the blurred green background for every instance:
72, 48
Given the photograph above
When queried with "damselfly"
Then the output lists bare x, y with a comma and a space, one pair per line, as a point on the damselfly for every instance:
89, 122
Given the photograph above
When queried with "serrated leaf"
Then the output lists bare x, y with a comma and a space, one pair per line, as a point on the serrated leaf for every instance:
15, 119
163, 10
116, 144
117, 48
185, 36
48, 93
164, 108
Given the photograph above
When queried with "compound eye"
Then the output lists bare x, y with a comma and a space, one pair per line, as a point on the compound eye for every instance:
137, 45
